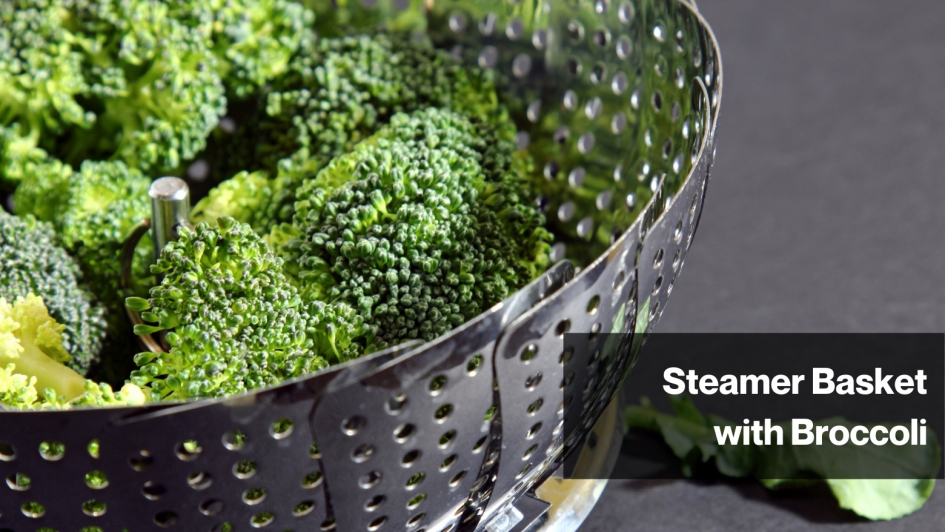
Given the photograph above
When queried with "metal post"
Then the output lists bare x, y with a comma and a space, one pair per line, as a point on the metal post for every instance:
170, 208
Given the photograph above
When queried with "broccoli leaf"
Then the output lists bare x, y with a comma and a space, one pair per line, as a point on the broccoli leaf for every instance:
691, 436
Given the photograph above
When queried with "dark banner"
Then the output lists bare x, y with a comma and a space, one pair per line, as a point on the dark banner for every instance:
782, 407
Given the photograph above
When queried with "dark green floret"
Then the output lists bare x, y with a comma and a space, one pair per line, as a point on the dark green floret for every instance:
421, 227
33, 263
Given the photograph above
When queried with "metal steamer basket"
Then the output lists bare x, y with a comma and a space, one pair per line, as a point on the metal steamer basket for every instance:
617, 101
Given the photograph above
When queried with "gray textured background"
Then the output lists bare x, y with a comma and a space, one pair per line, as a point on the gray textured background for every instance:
826, 212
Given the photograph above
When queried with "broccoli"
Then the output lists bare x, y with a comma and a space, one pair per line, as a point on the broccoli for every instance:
104, 80
330, 99
93, 211
33, 263
421, 227
32, 357
232, 319
253, 40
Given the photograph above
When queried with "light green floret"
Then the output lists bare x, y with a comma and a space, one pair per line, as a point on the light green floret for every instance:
237, 322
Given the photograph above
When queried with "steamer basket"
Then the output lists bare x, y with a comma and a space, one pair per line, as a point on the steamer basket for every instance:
617, 101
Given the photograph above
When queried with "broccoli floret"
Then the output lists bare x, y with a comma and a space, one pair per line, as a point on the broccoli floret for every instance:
340, 93
244, 197
103, 80
32, 357
33, 263
254, 40
421, 227
93, 211
238, 323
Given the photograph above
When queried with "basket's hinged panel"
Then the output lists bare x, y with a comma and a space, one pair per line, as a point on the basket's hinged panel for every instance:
668, 240
408, 441
246, 461
536, 376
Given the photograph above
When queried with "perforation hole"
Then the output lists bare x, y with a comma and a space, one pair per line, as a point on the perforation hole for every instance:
551, 170
567, 380
593, 304
141, 462
575, 31
415, 480
566, 211
625, 12
472, 367
457, 23
437, 384
598, 74
667, 148
353, 425
165, 519
95, 480
658, 284
188, 450
18, 482
312, 480
618, 281
566, 355
619, 84
654, 311
234, 440
211, 507
562, 134
480, 443
415, 520
676, 259
515, 29
457, 478
262, 519
585, 226
362, 453
374, 503
601, 37
447, 438
33, 510
533, 381
404, 432
521, 65
533, 431
692, 208
254, 496
52, 450
199, 480
533, 408
563, 327
533, 113
153, 491
617, 125
523, 471
658, 259
244, 469
488, 57
396, 403
281, 429
313, 452
328, 524
528, 353
586, 143
303, 508
94, 508
7, 452
443, 412
377, 523
574, 67
369, 480
409, 458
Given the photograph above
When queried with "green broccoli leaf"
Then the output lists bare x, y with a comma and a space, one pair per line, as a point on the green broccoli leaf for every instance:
691, 436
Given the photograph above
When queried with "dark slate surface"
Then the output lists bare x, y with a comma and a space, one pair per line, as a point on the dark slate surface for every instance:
826, 212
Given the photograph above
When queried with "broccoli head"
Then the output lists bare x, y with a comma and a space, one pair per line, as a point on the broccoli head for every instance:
232, 319
335, 96
93, 211
33, 263
104, 80
254, 40
421, 227
32, 374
